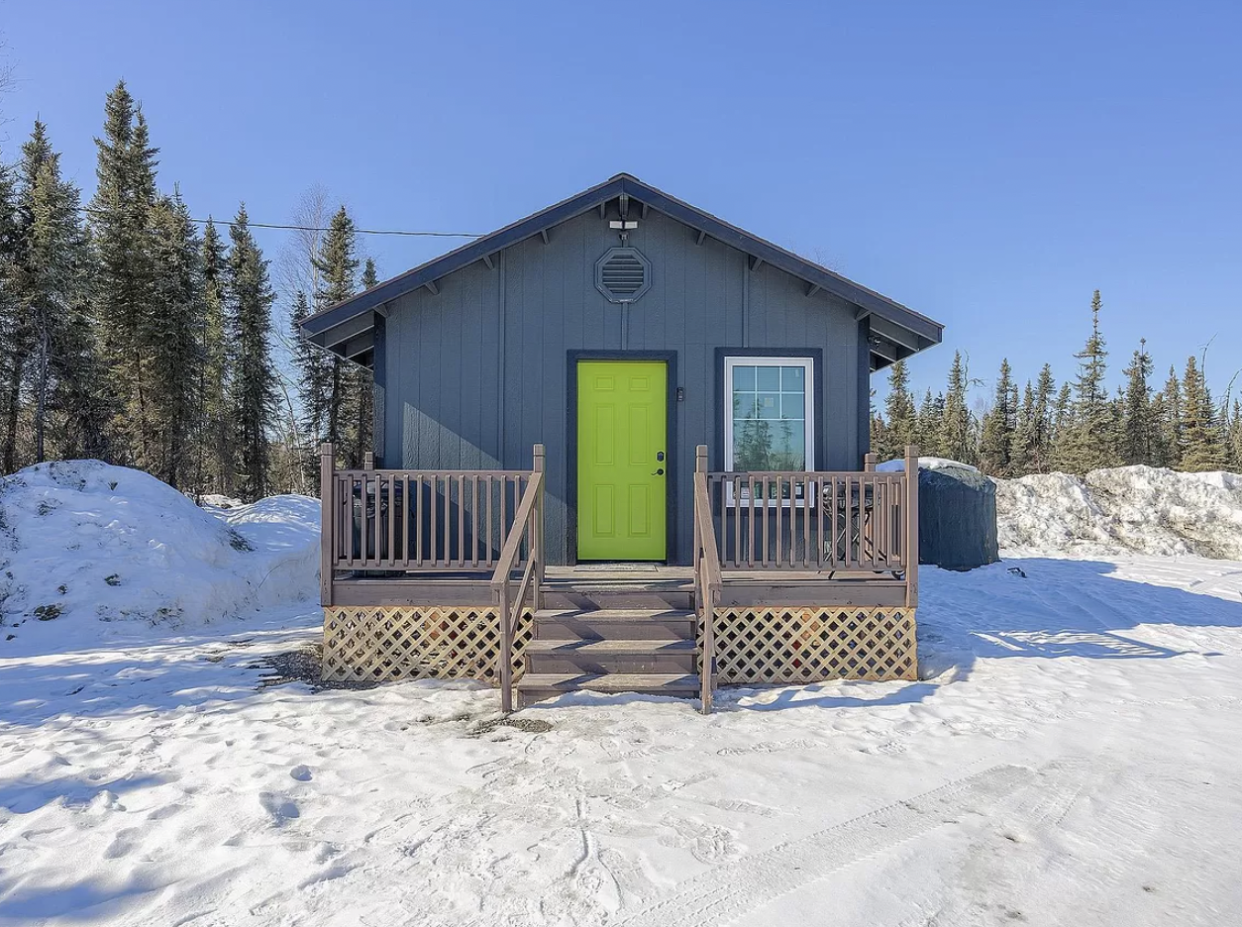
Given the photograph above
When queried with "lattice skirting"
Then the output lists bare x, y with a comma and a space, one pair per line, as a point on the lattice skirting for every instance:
379, 643
797, 644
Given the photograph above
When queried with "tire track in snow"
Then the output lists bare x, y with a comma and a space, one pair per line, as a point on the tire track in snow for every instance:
728, 892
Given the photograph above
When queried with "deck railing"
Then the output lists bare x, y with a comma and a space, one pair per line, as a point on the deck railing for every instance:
420, 521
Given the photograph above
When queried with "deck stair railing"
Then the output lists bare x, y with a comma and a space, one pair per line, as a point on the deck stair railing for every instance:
527, 530
707, 580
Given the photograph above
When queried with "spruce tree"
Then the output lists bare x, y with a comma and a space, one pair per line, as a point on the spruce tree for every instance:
253, 383
48, 276
900, 424
1091, 442
1022, 447
173, 335
313, 379
956, 427
362, 391
215, 446
1203, 448
999, 426
124, 279
13, 347
337, 264
1233, 443
1170, 421
1138, 428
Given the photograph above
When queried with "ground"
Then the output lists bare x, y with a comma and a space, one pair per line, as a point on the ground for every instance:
1070, 757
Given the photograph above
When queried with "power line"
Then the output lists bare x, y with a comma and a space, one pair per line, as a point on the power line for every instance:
310, 228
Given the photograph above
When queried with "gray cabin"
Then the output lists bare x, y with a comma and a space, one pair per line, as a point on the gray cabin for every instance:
621, 328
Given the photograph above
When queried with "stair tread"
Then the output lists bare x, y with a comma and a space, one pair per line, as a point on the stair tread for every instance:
610, 682
593, 646
615, 614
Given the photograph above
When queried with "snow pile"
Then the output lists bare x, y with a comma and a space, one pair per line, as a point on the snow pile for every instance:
82, 539
898, 465
1126, 509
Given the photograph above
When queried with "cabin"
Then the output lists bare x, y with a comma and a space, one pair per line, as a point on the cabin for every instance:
620, 445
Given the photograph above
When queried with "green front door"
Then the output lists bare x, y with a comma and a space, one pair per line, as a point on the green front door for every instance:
622, 459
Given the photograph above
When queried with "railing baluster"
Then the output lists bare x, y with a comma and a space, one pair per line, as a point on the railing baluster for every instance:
780, 508
750, 550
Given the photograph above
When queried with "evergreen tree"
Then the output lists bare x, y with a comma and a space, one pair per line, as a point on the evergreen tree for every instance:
999, 427
337, 264
1138, 427
253, 383
1091, 442
955, 429
1203, 449
362, 387
900, 419
313, 382
124, 280
47, 275
174, 337
1233, 443
1022, 447
13, 348
1169, 421
215, 446
928, 425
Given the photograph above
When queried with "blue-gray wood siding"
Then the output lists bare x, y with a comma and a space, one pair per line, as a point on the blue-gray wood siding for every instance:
473, 377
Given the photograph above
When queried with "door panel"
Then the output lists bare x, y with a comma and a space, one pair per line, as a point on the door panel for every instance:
622, 486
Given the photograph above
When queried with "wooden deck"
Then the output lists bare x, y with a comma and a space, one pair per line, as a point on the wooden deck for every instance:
796, 577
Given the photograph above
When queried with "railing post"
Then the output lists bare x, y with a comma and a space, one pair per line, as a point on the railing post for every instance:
506, 652
912, 525
869, 462
327, 529
537, 550
700, 466
368, 460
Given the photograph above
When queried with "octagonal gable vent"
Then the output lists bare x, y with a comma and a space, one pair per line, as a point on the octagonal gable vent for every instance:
623, 274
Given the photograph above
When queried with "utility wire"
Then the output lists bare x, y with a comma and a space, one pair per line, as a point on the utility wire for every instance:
311, 228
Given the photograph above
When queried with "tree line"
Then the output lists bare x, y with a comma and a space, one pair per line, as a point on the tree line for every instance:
128, 335
1075, 427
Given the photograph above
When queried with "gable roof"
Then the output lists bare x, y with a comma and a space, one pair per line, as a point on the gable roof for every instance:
896, 331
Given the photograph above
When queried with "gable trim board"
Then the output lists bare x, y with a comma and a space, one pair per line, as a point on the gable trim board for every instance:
347, 328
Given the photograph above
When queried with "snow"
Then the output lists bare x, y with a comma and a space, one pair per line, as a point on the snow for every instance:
84, 543
1122, 510
925, 463
1068, 756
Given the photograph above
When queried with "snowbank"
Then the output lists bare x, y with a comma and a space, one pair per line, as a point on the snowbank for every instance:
1126, 509
85, 540
925, 463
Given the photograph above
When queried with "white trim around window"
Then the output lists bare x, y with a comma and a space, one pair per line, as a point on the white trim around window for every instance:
769, 415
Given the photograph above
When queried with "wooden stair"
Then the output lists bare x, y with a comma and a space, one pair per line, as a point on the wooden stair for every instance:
651, 651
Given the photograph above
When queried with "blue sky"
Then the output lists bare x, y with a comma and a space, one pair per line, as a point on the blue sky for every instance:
987, 164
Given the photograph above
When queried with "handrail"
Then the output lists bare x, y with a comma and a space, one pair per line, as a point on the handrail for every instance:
707, 578
527, 520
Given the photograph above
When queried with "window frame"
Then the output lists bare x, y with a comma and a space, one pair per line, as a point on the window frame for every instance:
810, 364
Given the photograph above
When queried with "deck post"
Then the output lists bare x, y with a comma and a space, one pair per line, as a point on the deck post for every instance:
327, 530
506, 652
537, 550
368, 460
869, 462
700, 466
912, 525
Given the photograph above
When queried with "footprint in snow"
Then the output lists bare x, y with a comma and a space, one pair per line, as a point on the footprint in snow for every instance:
280, 807
301, 773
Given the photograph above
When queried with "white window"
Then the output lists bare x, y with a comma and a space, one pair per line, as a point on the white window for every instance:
769, 422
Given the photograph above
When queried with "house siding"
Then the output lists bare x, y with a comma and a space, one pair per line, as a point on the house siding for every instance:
473, 377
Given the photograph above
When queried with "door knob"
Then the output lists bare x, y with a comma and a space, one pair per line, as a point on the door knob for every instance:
659, 472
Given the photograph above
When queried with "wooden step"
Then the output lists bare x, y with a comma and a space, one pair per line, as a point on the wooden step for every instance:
614, 624
535, 686
588, 595
659, 656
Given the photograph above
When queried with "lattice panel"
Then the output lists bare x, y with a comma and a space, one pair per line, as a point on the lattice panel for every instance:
797, 644
375, 644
